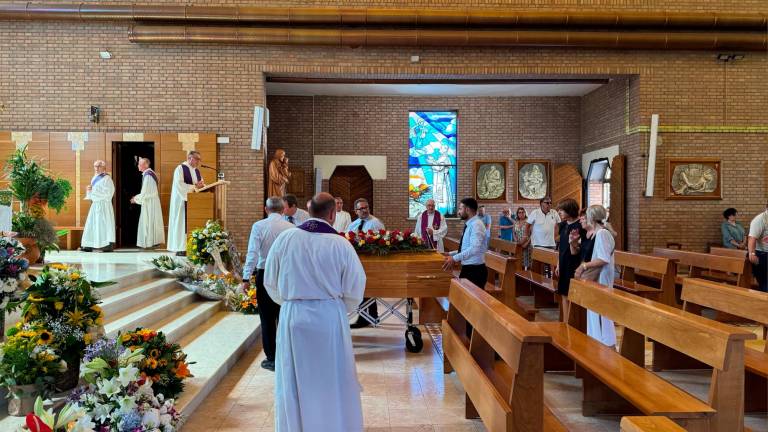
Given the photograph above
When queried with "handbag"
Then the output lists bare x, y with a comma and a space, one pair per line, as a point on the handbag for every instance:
591, 274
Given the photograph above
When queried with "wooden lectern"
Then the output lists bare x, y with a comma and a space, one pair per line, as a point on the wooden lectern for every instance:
202, 207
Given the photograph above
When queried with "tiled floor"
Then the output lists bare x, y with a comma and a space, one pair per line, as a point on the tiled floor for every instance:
103, 266
401, 391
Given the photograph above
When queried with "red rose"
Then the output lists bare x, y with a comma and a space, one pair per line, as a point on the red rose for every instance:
406, 233
382, 232
382, 242
369, 240
351, 234
395, 233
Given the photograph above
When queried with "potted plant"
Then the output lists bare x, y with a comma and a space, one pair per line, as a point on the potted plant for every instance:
36, 234
29, 366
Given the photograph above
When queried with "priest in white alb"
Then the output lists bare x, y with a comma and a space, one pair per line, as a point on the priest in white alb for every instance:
343, 218
431, 226
99, 230
317, 278
151, 231
186, 178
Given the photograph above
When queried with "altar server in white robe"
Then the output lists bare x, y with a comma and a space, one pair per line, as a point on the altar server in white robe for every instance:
342, 218
431, 226
317, 278
151, 231
186, 177
99, 230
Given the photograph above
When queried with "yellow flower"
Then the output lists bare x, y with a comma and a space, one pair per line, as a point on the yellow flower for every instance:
152, 363
251, 292
75, 316
125, 338
80, 298
99, 321
387, 243
58, 305
45, 338
87, 338
35, 298
154, 353
74, 276
96, 308
59, 266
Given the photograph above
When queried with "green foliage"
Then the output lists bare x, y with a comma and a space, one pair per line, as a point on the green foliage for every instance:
28, 181
28, 358
37, 228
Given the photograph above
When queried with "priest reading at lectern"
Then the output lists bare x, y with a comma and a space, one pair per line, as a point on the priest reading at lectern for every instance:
99, 231
186, 178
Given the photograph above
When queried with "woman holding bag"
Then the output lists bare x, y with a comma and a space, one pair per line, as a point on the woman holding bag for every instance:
599, 268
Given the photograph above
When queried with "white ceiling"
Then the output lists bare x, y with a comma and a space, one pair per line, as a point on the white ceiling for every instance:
505, 90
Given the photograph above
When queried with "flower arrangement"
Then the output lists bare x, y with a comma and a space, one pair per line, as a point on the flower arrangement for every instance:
62, 300
206, 243
182, 269
118, 397
164, 365
12, 268
244, 301
71, 418
383, 242
28, 357
217, 287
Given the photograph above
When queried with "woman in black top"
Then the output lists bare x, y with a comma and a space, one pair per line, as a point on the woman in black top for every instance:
570, 255
588, 241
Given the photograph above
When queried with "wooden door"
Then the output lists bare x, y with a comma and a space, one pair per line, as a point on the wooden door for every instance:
351, 183
566, 183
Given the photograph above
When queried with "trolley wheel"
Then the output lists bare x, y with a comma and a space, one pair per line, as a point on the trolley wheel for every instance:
413, 342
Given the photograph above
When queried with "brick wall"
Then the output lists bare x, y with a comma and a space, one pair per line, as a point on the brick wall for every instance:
50, 73
488, 128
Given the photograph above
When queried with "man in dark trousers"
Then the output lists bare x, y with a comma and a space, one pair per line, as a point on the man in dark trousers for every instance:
471, 253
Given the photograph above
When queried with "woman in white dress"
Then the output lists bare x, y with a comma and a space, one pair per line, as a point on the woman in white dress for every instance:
598, 326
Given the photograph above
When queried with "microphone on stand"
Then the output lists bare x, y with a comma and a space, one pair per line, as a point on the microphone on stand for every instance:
219, 175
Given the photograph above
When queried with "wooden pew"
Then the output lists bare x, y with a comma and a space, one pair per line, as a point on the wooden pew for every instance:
736, 253
450, 244
616, 383
504, 247
649, 424
544, 288
631, 264
743, 302
708, 265
501, 366
501, 280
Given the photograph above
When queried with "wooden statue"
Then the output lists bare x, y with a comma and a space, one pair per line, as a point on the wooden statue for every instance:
278, 174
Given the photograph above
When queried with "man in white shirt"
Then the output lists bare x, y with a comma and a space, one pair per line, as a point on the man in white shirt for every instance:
758, 248
542, 224
471, 253
365, 222
343, 219
99, 230
431, 226
263, 234
317, 278
150, 231
292, 213
186, 178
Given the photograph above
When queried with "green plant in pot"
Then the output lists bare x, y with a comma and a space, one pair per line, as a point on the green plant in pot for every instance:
36, 188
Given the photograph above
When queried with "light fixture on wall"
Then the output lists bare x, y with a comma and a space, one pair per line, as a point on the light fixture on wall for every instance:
95, 114
105, 54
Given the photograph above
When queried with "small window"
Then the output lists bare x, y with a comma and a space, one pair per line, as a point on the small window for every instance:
599, 183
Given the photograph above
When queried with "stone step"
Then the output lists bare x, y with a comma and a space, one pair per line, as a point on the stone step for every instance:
148, 315
145, 292
215, 347
187, 319
130, 281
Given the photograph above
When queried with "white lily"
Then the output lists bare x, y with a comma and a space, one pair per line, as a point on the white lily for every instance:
128, 374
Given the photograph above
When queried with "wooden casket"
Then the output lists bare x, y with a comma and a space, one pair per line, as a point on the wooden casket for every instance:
406, 275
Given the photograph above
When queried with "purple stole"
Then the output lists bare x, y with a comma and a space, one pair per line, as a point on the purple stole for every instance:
188, 174
435, 226
314, 226
152, 174
97, 179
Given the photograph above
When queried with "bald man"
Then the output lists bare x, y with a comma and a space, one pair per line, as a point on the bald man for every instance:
99, 231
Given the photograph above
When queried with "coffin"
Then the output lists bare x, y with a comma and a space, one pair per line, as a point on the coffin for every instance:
406, 274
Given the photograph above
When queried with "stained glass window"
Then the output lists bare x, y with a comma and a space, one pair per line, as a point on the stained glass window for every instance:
432, 161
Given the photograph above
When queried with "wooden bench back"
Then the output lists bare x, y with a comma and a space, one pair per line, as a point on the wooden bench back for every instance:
742, 302
733, 253
544, 256
503, 246
501, 268
705, 340
702, 261
507, 396
710, 342
630, 263
450, 244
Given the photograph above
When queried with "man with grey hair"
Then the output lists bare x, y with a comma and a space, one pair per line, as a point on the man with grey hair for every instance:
365, 220
342, 218
150, 232
99, 230
263, 234
186, 179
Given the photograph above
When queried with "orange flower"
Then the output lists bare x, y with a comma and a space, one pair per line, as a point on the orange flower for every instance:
182, 371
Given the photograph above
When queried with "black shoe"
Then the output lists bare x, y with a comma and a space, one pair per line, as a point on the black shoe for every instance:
109, 248
360, 323
181, 254
268, 364
86, 249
